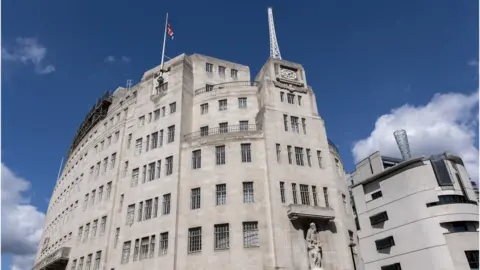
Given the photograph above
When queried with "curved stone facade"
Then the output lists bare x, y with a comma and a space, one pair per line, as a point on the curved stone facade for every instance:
207, 169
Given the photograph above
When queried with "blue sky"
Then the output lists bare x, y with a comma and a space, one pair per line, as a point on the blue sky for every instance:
362, 58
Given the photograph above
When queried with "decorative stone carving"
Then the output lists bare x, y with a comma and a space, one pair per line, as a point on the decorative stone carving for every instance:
314, 248
291, 87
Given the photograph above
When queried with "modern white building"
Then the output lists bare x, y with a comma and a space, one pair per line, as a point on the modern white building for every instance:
415, 214
207, 169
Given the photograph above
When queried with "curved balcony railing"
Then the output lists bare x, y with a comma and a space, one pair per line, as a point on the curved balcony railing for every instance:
333, 146
222, 130
210, 88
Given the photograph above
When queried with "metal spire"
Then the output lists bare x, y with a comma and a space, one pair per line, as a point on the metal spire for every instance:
274, 49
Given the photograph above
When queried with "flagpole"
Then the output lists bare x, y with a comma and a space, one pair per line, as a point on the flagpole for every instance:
164, 41
60, 169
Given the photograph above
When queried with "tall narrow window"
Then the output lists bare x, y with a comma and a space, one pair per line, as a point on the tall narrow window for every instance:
79, 234
159, 169
208, 67
250, 234
282, 96
154, 140
163, 111
246, 152
141, 120
248, 192
135, 173
282, 192
278, 152
221, 71
160, 138
138, 146
87, 230
171, 134
140, 212
155, 207
204, 108
196, 159
304, 194
242, 103
325, 196
94, 228
112, 160
222, 105
344, 200
285, 122
294, 193
126, 252
120, 205
195, 198
204, 131
309, 158
152, 246
100, 193
80, 263
234, 73
290, 98
222, 236
173, 107
96, 265
125, 168
169, 165
294, 121
163, 243
130, 214
103, 224
156, 114
117, 237
221, 194
319, 157
220, 154
136, 249
299, 156
89, 262
151, 171
194, 239
304, 126
299, 100
166, 204
148, 209
289, 153
129, 140
144, 173
314, 193
144, 244
109, 190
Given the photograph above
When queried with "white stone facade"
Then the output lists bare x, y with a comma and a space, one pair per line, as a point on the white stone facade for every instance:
420, 213
227, 199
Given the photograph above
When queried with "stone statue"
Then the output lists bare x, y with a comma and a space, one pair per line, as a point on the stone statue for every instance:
314, 247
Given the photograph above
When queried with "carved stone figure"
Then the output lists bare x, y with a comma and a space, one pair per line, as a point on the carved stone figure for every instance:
314, 247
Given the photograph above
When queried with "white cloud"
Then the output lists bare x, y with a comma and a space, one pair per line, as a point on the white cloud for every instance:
447, 123
125, 59
473, 62
22, 223
112, 59
28, 51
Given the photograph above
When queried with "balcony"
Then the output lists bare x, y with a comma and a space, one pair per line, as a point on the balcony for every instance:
56, 261
235, 84
234, 129
300, 211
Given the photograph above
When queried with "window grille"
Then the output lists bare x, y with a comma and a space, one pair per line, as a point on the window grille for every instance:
294, 121
166, 204
314, 193
248, 193
294, 193
221, 194
163, 243
136, 250
242, 103
223, 127
169, 165
299, 156
304, 194
148, 209
144, 248
196, 159
152, 246
130, 214
171, 134
220, 154
325, 196
250, 234
126, 252
195, 240
282, 192
246, 152
222, 236
195, 198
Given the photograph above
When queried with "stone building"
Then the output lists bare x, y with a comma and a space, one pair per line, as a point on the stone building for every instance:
419, 213
206, 169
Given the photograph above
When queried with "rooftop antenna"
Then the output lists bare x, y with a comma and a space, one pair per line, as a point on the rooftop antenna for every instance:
60, 169
274, 49
129, 84
402, 142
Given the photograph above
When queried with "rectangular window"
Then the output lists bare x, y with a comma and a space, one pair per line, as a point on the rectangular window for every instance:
194, 239
173, 107
221, 71
319, 157
223, 127
396, 266
472, 258
105, 165
130, 214
222, 236
195, 198
220, 154
222, 105
299, 156
278, 150
314, 193
384, 243
294, 193
160, 139
304, 194
141, 120
246, 152
243, 125
376, 195
92, 199
89, 262
299, 100
204, 131
344, 199
74, 264
80, 263
204, 108
126, 252
196, 159
159, 169
140, 212
155, 207
169, 165
100, 193
221, 194
282, 192
156, 114
285, 122
250, 234
304, 126
144, 174
208, 87
144, 244
120, 204
129, 140
242, 103
234, 73
135, 173
116, 136
117, 237
149, 117
109, 190
163, 111
378, 218
309, 157
290, 98
154, 140
148, 209
166, 204
282, 96
151, 171
171, 134
248, 193
289, 153
152, 246
103, 224
80, 232
163, 243
87, 230
136, 249
208, 67
325, 196
113, 160
294, 121
162, 87
138, 146
96, 265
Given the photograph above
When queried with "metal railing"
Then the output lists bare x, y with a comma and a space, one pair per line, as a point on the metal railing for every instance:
219, 86
222, 130
60, 253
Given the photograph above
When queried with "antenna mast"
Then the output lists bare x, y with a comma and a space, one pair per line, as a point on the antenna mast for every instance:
402, 143
274, 49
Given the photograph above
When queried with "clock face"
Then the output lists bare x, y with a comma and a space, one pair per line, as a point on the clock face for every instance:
288, 74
